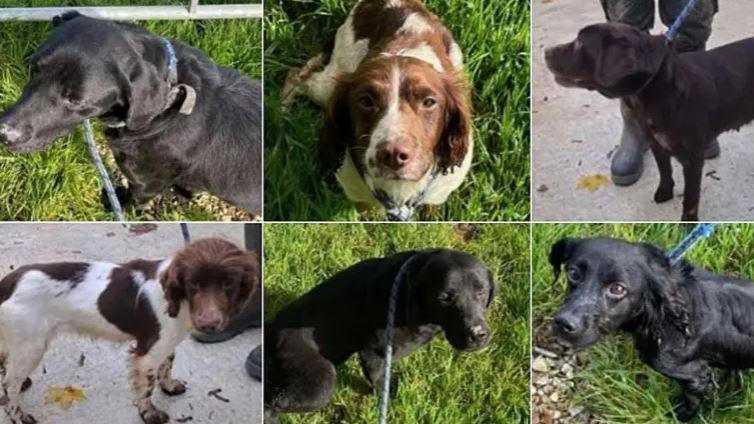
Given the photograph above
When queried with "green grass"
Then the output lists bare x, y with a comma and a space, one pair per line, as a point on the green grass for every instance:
438, 385
494, 36
61, 183
619, 387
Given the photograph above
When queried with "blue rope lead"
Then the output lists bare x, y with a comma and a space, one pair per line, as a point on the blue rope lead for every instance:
676, 27
389, 334
185, 233
701, 231
109, 189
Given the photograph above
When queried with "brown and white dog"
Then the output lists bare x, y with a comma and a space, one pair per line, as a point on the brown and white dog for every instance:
398, 121
154, 303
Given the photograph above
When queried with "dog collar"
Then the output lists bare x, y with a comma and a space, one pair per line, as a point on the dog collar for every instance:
402, 213
189, 99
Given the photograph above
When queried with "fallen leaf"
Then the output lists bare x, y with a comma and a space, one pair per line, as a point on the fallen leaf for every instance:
64, 397
593, 182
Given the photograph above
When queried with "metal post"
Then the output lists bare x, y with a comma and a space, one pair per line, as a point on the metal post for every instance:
194, 11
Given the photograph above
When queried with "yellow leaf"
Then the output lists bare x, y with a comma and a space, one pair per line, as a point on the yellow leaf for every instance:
593, 182
64, 397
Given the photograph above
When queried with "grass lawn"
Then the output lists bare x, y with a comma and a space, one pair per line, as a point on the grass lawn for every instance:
438, 385
494, 36
62, 183
620, 387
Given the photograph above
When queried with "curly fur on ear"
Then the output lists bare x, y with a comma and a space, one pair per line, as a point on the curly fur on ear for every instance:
336, 131
665, 303
172, 284
559, 253
454, 141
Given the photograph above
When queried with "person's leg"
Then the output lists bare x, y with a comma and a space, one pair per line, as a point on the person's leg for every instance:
628, 160
692, 36
251, 315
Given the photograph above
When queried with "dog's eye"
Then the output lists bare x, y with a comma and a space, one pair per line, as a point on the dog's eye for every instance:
445, 297
617, 290
429, 103
574, 275
366, 101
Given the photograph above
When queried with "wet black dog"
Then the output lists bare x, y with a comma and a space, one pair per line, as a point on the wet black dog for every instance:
160, 134
444, 291
684, 320
683, 101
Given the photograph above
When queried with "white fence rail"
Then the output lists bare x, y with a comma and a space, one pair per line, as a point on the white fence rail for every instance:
193, 10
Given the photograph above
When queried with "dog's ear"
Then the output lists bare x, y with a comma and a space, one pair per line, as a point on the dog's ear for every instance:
250, 265
336, 132
559, 253
173, 286
621, 70
493, 288
656, 254
456, 136
666, 304
65, 17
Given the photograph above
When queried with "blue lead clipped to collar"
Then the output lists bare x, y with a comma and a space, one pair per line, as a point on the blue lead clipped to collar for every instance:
701, 231
676, 27
189, 100
172, 61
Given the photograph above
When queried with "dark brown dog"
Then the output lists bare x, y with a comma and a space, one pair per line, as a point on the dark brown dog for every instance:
682, 100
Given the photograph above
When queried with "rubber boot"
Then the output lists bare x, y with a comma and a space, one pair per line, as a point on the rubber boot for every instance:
628, 160
254, 363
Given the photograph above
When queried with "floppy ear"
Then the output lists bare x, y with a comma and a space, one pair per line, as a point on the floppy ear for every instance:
65, 17
559, 253
455, 138
142, 85
251, 274
336, 132
493, 288
623, 71
666, 306
172, 285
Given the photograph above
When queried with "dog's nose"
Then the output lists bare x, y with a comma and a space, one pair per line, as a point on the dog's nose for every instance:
566, 324
394, 155
208, 322
13, 135
478, 333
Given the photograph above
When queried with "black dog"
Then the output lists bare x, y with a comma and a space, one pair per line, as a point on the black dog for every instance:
443, 291
684, 320
683, 101
196, 127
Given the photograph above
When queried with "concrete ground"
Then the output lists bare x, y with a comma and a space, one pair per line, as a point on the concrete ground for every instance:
574, 131
102, 371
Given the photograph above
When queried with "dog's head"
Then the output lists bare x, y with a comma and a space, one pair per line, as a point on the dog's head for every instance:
397, 117
214, 278
453, 290
613, 58
615, 285
87, 68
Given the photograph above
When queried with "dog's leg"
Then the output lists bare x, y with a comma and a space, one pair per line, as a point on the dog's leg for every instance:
692, 180
143, 376
296, 80
168, 384
697, 381
19, 364
665, 189
373, 366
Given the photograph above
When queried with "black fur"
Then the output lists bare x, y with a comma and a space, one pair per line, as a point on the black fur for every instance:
683, 101
347, 314
684, 320
118, 73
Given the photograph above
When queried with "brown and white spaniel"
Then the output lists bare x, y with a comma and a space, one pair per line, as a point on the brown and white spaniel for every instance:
398, 125
152, 303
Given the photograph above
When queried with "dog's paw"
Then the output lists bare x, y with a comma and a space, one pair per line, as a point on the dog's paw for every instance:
154, 416
690, 217
173, 387
682, 411
663, 194
122, 193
